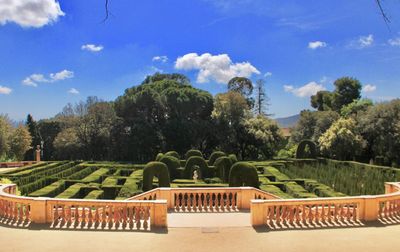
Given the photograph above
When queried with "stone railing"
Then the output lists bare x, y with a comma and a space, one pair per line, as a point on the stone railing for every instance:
15, 164
215, 199
78, 213
326, 211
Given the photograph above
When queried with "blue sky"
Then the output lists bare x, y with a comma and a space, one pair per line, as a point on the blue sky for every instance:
55, 52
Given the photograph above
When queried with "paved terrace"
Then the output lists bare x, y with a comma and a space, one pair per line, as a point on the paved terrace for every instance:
374, 237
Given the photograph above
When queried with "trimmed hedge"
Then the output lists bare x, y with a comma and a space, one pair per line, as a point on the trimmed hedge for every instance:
300, 152
275, 191
233, 158
196, 161
298, 191
95, 194
243, 174
50, 191
173, 154
129, 189
96, 175
193, 153
274, 174
72, 191
214, 156
159, 156
223, 166
158, 169
173, 164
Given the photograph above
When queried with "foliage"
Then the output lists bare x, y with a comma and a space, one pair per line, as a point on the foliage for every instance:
214, 156
241, 85
357, 106
191, 153
223, 165
301, 149
243, 174
347, 90
158, 169
172, 163
322, 100
20, 141
342, 140
193, 163
173, 154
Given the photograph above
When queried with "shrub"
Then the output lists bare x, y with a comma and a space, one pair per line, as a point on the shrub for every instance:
159, 156
158, 169
233, 158
300, 153
196, 161
96, 175
95, 194
51, 190
298, 191
129, 189
214, 156
275, 191
275, 174
243, 174
71, 192
193, 153
223, 166
173, 154
173, 164
215, 180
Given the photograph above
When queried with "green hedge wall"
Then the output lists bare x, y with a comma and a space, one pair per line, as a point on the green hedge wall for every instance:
173, 164
243, 174
158, 169
196, 161
173, 154
214, 156
193, 153
223, 166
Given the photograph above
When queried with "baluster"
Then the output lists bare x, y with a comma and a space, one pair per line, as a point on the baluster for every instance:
278, 215
271, 211
297, 215
385, 209
196, 202
310, 214
180, 202
146, 218
234, 202
291, 214
76, 215
15, 211
191, 202
55, 214
317, 214
137, 218
354, 213
28, 213
335, 213
322, 218
67, 215
115, 217
303, 214
62, 215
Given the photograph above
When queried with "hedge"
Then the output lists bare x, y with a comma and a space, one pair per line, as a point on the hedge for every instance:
36, 185
158, 169
29, 167
275, 191
223, 166
50, 191
159, 156
196, 161
300, 152
214, 156
173, 164
243, 174
71, 192
298, 191
173, 154
85, 171
95, 194
96, 175
274, 174
348, 177
193, 153
233, 158
129, 189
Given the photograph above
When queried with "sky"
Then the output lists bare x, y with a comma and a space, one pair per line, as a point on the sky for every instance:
58, 52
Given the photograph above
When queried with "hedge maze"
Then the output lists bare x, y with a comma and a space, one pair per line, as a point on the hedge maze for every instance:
294, 178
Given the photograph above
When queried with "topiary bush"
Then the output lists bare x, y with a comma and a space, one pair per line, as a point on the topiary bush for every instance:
193, 153
158, 169
300, 153
173, 164
223, 166
214, 156
200, 163
159, 156
173, 154
233, 158
243, 174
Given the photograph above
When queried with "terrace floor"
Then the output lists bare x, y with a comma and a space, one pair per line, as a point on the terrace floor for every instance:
374, 237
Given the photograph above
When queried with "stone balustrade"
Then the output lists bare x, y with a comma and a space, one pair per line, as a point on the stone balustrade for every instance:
321, 211
78, 213
16, 164
206, 199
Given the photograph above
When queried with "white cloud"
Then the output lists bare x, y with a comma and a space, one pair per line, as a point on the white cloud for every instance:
73, 91
30, 13
394, 42
369, 88
307, 90
62, 75
316, 44
162, 59
34, 79
219, 68
92, 47
267, 74
5, 90
366, 41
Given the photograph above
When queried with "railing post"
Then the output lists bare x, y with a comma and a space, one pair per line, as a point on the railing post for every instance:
246, 196
159, 214
258, 214
39, 210
165, 193
370, 209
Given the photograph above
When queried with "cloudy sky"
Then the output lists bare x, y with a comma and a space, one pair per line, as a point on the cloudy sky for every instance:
55, 52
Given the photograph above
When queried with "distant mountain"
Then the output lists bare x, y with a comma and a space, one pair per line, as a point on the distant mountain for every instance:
287, 122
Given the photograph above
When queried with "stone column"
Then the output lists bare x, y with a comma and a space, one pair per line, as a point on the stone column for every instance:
37, 153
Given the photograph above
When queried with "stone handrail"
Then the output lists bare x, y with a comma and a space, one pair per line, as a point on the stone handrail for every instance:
79, 213
290, 212
217, 199
16, 164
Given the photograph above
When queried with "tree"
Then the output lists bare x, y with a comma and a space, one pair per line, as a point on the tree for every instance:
262, 138
342, 140
35, 134
20, 142
5, 129
347, 90
242, 85
67, 145
356, 107
261, 101
322, 101
179, 78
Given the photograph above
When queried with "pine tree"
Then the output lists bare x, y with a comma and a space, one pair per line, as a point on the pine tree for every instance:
261, 104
